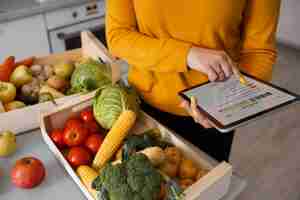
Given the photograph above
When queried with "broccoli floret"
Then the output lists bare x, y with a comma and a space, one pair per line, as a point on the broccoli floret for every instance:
135, 179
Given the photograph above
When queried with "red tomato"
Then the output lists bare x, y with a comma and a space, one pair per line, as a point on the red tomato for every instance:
28, 172
94, 142
87, 115
92, 126
75, 133
79, 156
58, 138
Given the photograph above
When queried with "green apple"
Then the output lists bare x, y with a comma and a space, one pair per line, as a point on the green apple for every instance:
7, 92
8, 144
64, 69
21, 76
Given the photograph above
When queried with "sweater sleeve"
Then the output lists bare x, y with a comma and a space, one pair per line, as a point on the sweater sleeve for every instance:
258, 53
148, 53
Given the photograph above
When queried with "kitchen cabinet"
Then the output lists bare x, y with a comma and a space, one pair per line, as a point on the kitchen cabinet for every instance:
24, 37
289, 25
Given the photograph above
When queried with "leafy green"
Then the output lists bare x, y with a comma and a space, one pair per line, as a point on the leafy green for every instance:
111, 101
135, 179
89, 75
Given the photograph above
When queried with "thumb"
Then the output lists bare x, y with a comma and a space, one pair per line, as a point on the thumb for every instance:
184, 104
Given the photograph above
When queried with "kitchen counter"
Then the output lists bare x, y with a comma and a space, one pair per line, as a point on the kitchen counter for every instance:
15, 9
57, 184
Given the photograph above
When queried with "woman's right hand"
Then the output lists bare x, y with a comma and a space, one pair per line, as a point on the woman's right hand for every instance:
217, 65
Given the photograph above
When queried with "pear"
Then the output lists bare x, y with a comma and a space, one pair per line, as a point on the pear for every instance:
21, 76
8, 144
64, 69
7, 92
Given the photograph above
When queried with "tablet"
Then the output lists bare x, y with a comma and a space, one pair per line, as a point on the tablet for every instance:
229, 104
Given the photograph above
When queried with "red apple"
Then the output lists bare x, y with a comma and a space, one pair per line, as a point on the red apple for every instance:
27, 173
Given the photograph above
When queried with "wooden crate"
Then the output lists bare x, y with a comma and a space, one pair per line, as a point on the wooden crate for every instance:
27, 118
212, 186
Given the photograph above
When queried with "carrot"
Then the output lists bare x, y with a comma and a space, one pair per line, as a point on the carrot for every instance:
27, 62
7, 68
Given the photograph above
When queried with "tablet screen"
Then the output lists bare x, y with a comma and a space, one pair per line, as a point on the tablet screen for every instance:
230, 101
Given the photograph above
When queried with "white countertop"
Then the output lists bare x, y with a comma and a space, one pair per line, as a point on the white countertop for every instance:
57, 184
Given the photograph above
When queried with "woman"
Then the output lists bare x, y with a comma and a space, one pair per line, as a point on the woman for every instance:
173, 44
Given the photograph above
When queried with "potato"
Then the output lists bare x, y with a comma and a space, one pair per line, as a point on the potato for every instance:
58, 83
174, 155
48, 71
201, 173
36, 70
188, 169
185, 183
169, 169
155, 154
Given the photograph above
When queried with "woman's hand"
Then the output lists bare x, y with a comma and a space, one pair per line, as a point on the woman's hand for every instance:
217, 65
193, 110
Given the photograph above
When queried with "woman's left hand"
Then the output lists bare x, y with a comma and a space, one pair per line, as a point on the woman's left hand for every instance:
194, 112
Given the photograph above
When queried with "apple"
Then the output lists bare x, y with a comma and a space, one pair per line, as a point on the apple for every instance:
8, 144
64, 69
8, 92
21, 76
14, 105
28, 173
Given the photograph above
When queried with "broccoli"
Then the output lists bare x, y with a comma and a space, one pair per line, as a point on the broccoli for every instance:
134, 179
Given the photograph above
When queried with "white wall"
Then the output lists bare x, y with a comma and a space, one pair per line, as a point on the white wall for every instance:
289, 23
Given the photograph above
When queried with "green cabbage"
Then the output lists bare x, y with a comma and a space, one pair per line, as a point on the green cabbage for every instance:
89, 75
111, 101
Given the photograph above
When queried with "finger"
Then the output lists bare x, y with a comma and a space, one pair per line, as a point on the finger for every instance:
201, 119
226, 68
212, 75
220, 72
231, 63
197, 115
184, 104
207, 124
194, 106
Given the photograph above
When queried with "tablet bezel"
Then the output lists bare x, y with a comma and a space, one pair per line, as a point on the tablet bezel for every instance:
230, 126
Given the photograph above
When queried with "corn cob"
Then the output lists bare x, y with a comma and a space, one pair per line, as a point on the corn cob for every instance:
114, 138
87, 175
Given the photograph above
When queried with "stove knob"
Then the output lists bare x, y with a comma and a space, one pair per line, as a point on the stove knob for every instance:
75, 14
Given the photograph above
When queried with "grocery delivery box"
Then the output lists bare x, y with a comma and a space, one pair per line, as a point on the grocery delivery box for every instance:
212, 186
27, 118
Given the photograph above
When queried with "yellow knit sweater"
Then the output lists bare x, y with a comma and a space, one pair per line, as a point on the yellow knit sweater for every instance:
154, 37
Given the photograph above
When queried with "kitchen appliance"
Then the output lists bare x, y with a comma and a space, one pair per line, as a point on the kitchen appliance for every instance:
65, 25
